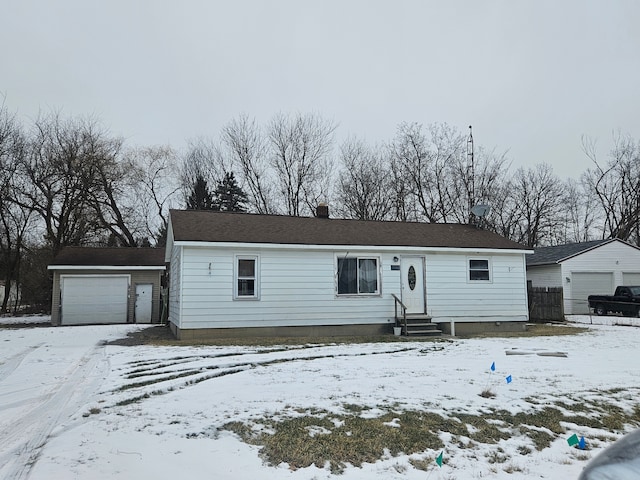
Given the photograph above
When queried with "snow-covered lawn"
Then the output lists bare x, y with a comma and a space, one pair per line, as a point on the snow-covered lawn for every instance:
73, 407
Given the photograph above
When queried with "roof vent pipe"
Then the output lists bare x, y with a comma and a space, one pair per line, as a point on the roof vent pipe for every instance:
322, 210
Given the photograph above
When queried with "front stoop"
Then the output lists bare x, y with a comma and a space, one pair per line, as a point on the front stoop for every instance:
419, 325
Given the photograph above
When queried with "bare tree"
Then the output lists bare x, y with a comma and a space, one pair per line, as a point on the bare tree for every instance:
537, 194
58, 178
113, 189
365, 182
156, 172
14, 219
400, 194
503, 216
581, 212
248, 152
438, 174
300, 152
616, 183
203, 159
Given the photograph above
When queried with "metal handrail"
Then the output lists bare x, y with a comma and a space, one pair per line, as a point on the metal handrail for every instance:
404, 312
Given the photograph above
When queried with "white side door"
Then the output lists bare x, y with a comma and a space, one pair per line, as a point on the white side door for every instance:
144, 299
413, 292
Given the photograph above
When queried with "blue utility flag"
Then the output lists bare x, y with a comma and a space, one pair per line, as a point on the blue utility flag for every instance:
582, 443
493, 367
508, 379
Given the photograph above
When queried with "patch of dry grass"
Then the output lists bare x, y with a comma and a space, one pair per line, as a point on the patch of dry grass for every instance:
322, 438
535, 330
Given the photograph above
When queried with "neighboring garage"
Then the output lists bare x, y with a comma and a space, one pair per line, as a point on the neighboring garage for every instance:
107, 285
583, 269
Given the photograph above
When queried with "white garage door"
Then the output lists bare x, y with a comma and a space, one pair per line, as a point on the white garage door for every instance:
94, 299
584, 284
631, 278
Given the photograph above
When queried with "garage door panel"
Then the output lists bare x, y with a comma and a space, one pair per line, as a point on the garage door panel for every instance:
94, 300
631, 278
588, 283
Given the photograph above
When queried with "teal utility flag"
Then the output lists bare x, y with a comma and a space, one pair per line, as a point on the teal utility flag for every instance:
439, 459
573, 440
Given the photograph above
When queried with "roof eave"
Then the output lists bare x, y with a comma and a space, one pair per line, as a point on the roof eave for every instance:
107, 267
384, 248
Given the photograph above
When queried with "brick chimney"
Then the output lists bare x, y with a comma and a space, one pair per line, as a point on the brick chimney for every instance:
322, 210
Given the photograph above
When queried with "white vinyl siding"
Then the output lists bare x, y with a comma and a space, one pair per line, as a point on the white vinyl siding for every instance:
451, 297
175, 285
298, 288
545, 276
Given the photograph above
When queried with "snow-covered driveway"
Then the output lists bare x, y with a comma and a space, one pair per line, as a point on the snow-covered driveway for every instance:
47, 376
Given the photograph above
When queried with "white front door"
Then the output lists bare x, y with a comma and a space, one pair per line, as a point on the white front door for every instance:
413, 284
143, 302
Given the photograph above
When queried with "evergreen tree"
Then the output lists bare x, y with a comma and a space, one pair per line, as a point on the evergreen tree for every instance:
200, 197
229, 197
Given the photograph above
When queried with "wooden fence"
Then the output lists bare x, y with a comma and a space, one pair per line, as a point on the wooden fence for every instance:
545, 304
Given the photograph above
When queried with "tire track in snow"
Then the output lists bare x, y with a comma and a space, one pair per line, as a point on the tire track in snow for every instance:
9, 366
23, 438
164, 381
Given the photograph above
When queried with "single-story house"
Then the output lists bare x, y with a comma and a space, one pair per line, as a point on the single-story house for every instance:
94, 285
234, 274
583, 269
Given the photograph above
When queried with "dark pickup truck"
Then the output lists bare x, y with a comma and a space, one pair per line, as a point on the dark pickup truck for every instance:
626, 300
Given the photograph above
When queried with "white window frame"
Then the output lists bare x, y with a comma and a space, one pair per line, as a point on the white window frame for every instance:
489, 270
256, 277
357, 259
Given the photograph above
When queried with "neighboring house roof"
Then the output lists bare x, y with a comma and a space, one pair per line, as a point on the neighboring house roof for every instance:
560, 253
212, 226
125, 257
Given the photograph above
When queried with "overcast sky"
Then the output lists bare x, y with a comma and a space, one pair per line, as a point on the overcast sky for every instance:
532, 77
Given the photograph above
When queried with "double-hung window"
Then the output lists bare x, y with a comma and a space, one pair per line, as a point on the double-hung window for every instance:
358, 276
479, 269
246, 277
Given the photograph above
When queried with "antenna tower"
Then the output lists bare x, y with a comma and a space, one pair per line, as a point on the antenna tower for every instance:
472, 180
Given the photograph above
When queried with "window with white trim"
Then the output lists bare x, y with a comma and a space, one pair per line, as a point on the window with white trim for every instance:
479, 269
358, 276
246, 281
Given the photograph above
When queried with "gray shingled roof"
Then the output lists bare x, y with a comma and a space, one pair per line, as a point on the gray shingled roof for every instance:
210, 226
552, 255
118, 257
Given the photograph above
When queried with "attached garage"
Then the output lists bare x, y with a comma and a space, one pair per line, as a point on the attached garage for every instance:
107, 286
584, 269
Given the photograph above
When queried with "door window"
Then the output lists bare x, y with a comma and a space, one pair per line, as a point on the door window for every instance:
411, 277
